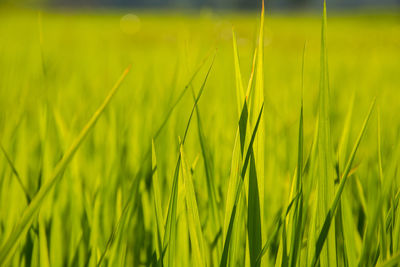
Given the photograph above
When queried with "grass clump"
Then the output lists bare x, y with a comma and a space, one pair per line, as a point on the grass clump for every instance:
259, 177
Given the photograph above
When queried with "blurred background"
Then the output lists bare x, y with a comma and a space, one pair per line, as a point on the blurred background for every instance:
225, 4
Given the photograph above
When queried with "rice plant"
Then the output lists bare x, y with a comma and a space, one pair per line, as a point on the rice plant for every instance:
212, 156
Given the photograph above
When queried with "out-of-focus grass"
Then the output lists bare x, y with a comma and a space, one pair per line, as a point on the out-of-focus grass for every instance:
56, 68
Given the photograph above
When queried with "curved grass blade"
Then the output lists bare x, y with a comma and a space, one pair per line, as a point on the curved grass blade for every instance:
15, 172
25, 221
113, 235
392, 262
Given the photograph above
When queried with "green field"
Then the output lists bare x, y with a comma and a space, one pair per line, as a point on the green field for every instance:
264, 151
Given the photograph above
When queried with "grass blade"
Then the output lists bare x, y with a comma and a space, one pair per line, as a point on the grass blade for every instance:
169, 240
212, 197
170, 227
157, 203
278, 225
227, 240
194, 225
393, 261
329, 217
26, 219
253, 216
15, 172
326, 173
187, 86
139, 175
256, 186
238, 74
298, 210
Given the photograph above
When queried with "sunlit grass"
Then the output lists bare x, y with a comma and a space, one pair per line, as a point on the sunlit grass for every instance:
234, 140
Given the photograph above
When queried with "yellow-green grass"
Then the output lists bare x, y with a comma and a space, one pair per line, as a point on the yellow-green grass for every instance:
219, 148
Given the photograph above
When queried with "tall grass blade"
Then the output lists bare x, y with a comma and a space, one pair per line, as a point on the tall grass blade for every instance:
298, 209
212, 196
238, 74
326, 172
236, 162
256, 186
239, 190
